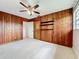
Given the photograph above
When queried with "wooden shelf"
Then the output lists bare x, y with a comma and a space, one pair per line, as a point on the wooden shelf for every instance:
46, 29
46, 24
47, 21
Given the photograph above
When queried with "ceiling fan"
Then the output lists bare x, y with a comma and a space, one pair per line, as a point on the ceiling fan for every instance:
30, 9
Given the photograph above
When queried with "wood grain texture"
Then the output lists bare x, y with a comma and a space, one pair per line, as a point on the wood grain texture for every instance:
11, 28
37, 28
61, 32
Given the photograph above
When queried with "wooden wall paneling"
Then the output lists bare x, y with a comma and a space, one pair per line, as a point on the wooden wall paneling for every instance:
58, 28
47, 29
19, 29
53, 34
50, 18
43, 35
68, 28
61, 38
6, 33
54, 40
13, 29
37, 28
1, 28
10, 28
43, 32
16, 28
37, 34
43, 18
62, 28
50, 35
65, 26
50, 32
38, 24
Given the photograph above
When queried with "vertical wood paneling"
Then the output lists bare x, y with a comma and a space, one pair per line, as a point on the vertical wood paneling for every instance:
62, 28
1, 28
37, 28
10, 28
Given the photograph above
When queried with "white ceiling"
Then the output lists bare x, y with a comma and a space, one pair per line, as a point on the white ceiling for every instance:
46, 7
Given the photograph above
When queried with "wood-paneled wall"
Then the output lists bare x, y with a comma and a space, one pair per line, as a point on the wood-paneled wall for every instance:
61, 32
10, 28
